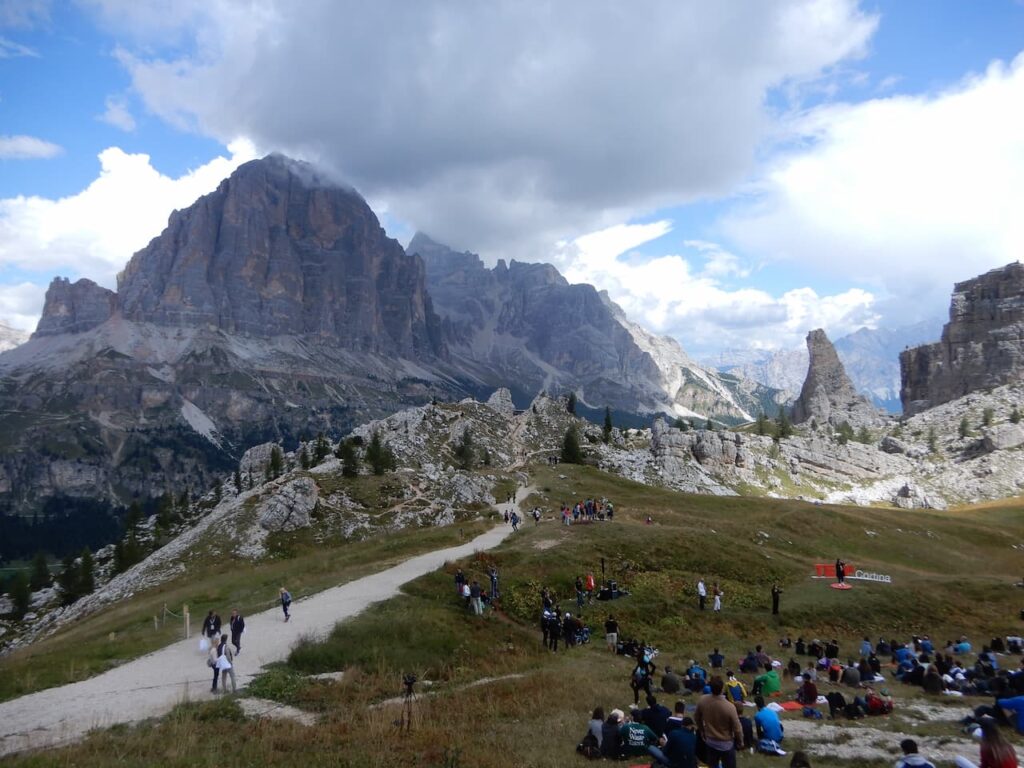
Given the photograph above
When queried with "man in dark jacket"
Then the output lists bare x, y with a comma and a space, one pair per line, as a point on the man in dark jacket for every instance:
237, 624
655, 716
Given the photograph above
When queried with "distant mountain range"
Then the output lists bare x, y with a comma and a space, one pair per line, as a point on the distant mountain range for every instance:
871, 358
276, 307
11, 337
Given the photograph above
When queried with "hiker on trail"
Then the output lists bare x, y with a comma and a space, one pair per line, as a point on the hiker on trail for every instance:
719, 725
840, 571
719, 594
702, 593
776, 593
212, 657
611, 633
506, 517
211, 625
225, 665
515, 521
996, 751
492, 572
460, 579
911, 758
474, 598
286, 603
237, 624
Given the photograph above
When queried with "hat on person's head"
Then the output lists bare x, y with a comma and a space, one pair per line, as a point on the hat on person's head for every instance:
617, 715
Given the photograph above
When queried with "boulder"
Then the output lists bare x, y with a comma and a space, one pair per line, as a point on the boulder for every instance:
288, 507
501, 401
1002, 437
256, 459
890, 444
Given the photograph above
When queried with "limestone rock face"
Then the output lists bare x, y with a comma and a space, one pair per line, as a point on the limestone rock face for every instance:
501, 401
828, 396
279, 250
290, 506
75, 307
1002, 437
982, 345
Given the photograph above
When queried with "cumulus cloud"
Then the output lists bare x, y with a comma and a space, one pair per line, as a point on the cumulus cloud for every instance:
905, 195
95, 232
27, 148
501, 126
21, 304
117, 114
669, 294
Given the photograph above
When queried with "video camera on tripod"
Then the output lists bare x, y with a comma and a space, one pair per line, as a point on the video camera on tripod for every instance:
408, 680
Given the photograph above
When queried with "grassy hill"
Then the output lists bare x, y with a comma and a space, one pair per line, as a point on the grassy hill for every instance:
952, 573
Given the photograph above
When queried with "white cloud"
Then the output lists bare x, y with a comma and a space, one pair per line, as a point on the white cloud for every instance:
117, 114
903, 194
24, 13
95, 232
500, 126
21, 304
667, 295
9, 49
27, 148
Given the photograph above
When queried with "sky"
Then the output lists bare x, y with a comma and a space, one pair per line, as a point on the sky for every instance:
733, 173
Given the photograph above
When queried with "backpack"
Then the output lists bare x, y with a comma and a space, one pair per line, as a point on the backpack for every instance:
878, 706
836, 703
734, 691
589, 747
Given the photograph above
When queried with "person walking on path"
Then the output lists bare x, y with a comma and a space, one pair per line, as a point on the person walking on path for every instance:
237, 624
286, 603
515, 521
776, 592
225, 665
211, 625
719, 594
702, 593
611, 633
211, 662
460, 579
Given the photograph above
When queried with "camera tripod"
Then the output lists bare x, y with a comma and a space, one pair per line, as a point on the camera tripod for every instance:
408, 700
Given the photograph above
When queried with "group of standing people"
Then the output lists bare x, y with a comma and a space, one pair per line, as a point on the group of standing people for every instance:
588, 510
220, 656
702, 595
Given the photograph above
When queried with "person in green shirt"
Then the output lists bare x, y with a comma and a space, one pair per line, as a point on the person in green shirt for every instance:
636, 737
769, 682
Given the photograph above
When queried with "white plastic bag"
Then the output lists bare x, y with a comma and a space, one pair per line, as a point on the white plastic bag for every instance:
204, 644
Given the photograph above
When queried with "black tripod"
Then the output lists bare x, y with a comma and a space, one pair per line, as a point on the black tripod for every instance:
408, 699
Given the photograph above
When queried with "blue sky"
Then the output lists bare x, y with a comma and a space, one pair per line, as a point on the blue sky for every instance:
494, 157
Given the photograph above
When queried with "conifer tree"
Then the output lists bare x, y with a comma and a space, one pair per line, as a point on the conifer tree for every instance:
570, 405
304, 457
68, 581
607, 432
41, 576
238, 480
276, 462
21, 596
1015, 416
965, 427
86, 575
464, 450
379, 456
571, 453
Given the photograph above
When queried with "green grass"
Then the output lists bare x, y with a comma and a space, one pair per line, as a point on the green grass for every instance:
952, 573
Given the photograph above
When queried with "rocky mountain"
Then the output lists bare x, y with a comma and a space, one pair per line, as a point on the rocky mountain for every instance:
272, 308
11, 337
524, 326
982, 345
828, 396
869, 355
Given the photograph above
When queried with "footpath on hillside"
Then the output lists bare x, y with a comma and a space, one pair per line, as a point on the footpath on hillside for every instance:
152, 685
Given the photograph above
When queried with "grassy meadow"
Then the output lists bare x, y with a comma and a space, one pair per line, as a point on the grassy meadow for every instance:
953, 573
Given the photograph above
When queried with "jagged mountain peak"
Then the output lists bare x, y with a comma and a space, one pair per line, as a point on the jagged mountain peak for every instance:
828, 396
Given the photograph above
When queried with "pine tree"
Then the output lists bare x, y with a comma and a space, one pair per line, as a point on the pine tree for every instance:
761, 425
965, 427
784, 427
570, 405
218, 491
571, 453
487, 457
844, 433
68, 581
276, 462
464, 450
304, 457
349, 458
238, 480
320, 449
86, 575
933, 440
864, 436
21, 596
710, 426
607, 435
1015, 416
41, 576
986, 417
379, 455
680, 424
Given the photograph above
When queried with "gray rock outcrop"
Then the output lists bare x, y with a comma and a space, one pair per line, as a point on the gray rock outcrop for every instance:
290, 506
75, 307
1002, 437
982, 345
828, 396
501, 401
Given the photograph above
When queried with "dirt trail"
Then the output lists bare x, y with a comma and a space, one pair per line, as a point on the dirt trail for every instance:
151, 685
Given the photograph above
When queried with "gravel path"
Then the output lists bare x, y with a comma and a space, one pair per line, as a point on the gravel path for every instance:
151, 685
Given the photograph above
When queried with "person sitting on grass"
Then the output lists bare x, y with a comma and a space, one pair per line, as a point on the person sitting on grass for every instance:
746, 725
676, 721
680, 749
655, 716
767, 684
735, 691
850, 675
670, 682
793, 667
716, 659
767, 722
807, 693
636, 736
611, 741
996, 751
911, 758
696, 677
749, 664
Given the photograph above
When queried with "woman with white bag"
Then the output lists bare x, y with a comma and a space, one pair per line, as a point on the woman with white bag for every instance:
225, 665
